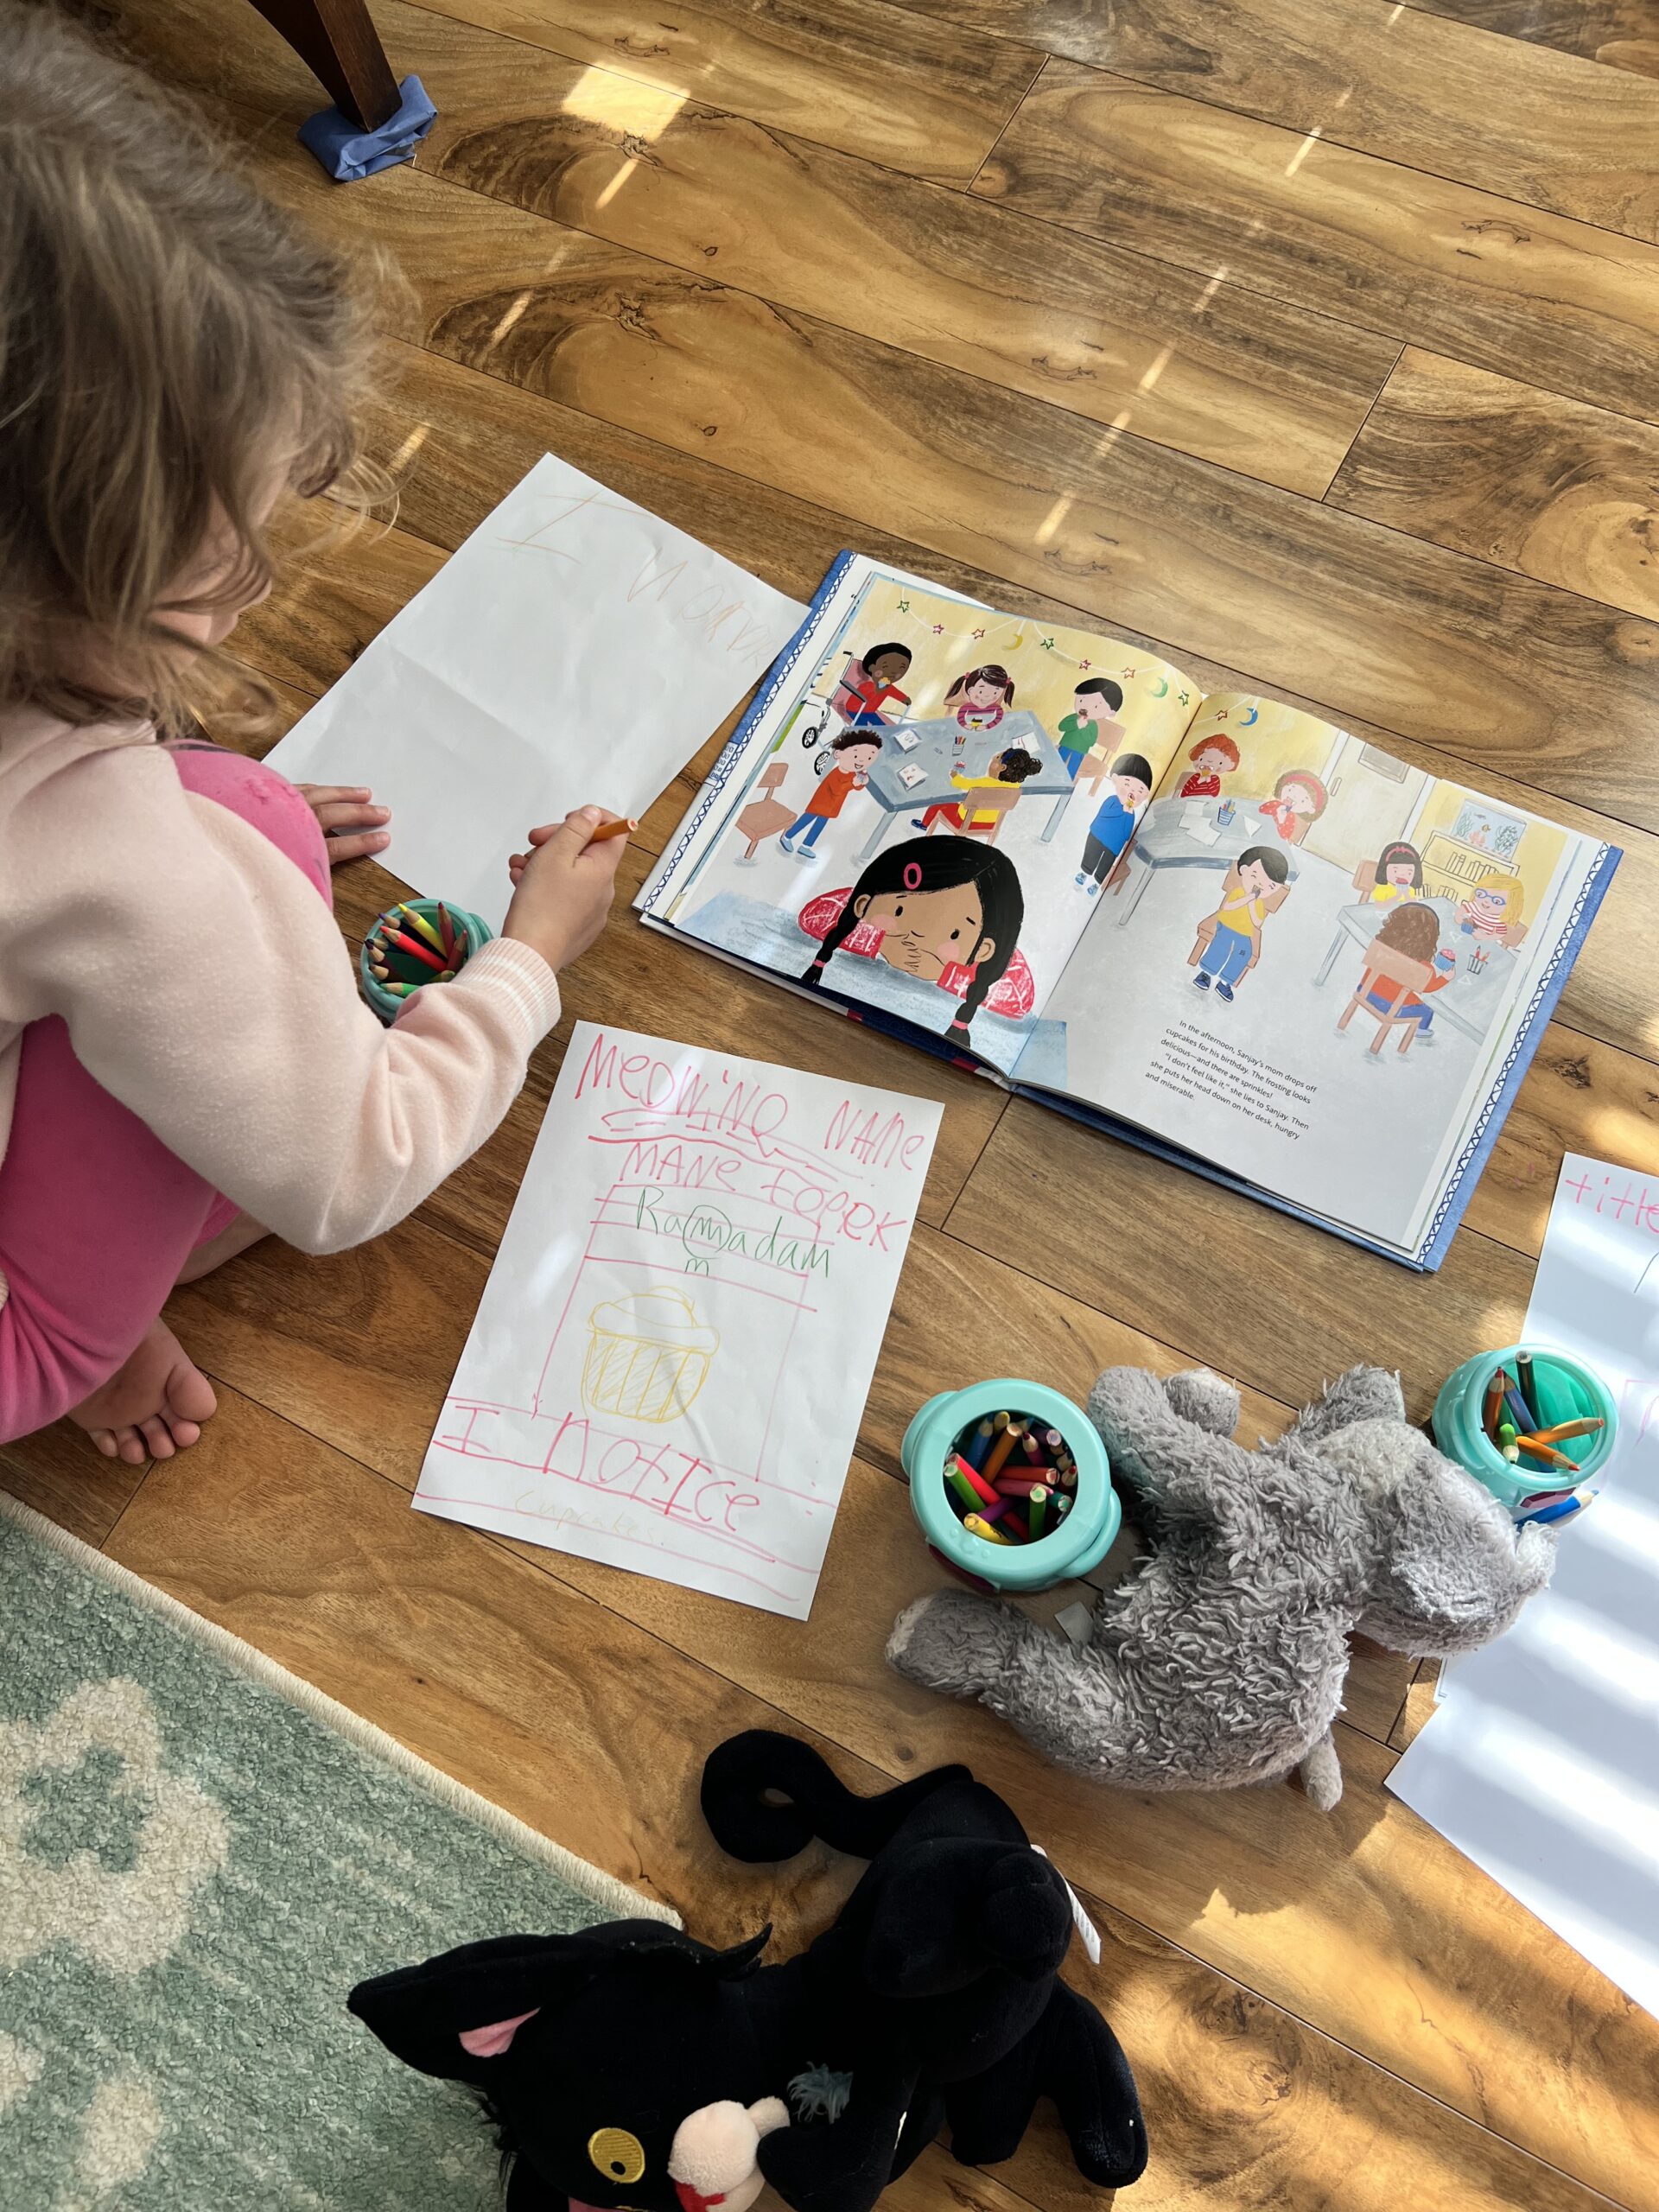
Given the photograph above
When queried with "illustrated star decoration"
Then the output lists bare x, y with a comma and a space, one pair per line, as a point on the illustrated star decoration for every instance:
1048, 645
939, 629
1085, 664
977, 633
904, 606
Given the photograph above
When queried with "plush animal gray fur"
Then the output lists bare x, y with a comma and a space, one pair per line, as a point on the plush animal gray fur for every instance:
1220, 1659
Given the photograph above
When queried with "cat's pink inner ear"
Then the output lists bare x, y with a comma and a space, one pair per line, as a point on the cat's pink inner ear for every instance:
491, 2042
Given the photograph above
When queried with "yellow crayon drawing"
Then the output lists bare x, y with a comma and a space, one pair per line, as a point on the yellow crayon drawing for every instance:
648, 1355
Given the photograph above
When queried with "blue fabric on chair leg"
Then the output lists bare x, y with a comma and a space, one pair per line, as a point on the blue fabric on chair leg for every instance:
349, 152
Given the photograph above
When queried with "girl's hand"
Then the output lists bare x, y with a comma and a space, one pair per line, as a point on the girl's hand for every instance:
346, 815
562, 886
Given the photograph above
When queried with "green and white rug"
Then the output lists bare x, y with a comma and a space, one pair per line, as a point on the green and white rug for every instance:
199, 1855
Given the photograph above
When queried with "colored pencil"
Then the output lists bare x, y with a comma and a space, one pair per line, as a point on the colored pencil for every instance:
1000, 1421
997, 1457
422, 927
1519, 1412
1031, 1448
1038, 1511
450, 939
620, 828
1062, 1507
995, 1512
415, 949
977, 1526
1495, 1389
979, 1445
1019, 1485
1524, 1385
1564, 1429
966, 1491
1535, 1448
402, 990
977, 1481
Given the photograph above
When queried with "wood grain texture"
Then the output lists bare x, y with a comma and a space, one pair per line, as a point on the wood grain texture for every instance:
1550, 486
1272, 391
861, 74
58, 1473
1325, 603
1441, 264
1621, 34
1528, 122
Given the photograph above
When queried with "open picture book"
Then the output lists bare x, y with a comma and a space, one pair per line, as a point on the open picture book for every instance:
1216, 925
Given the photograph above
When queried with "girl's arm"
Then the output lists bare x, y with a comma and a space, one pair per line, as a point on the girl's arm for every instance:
205, 985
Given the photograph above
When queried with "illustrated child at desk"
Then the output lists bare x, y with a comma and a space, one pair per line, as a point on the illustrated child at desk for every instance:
854, 751
1012, 766
1399, 875
948, 912
1230, 940
1115, 824
981, 698
1212, 758
867, 684
1299, 799
1493, 910
1092, 722
1413, 931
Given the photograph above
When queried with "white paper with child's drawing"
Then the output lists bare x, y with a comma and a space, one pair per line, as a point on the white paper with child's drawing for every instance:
674, 1347
1542, 1762
574, 648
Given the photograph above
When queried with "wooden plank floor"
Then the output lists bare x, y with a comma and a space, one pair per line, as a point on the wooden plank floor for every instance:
1310, 340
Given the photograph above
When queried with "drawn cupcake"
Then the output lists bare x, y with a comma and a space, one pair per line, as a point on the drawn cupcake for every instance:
648, 1355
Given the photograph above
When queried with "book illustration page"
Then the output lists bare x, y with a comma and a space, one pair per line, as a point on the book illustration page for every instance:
1314, 962
669, 1363
927, 817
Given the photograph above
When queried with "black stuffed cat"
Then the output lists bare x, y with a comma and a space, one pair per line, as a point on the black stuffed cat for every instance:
630, 2066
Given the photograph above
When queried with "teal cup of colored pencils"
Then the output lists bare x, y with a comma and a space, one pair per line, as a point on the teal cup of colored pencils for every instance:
1534, 1424
1011, 1485
420, 941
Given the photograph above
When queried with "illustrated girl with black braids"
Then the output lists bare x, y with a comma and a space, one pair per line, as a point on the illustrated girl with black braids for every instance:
938, 904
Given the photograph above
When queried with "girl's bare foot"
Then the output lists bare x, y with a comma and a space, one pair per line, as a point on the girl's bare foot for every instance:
152, 1406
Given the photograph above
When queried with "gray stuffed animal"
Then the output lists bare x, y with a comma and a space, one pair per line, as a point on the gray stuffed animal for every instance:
1220, 1659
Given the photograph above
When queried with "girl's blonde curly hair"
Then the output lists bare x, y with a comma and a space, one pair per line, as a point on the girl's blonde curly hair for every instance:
166, 338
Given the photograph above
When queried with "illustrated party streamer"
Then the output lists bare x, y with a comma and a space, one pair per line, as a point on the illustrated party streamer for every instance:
671, 1357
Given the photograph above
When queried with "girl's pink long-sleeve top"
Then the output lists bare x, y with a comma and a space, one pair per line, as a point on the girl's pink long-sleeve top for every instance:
205, 985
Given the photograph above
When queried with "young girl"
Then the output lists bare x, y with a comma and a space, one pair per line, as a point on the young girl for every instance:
184, 1060
939, 907
980, 698
1399, 875
1413, 931
1299, 799
1493, 910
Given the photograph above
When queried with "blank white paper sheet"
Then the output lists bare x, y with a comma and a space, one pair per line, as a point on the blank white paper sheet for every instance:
671, 1359
1542, 1762
574, 648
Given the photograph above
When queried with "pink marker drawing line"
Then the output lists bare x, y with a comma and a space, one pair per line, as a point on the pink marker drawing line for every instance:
564, 1314
697, 1274
615, 1536
464, 1447
640, 1124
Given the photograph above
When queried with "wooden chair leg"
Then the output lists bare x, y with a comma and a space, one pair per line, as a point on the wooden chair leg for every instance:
1348, 1012
338, 42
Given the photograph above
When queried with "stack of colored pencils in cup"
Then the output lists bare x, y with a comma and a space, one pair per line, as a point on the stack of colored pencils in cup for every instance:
1010, 1480
1527, 1446
406, 950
